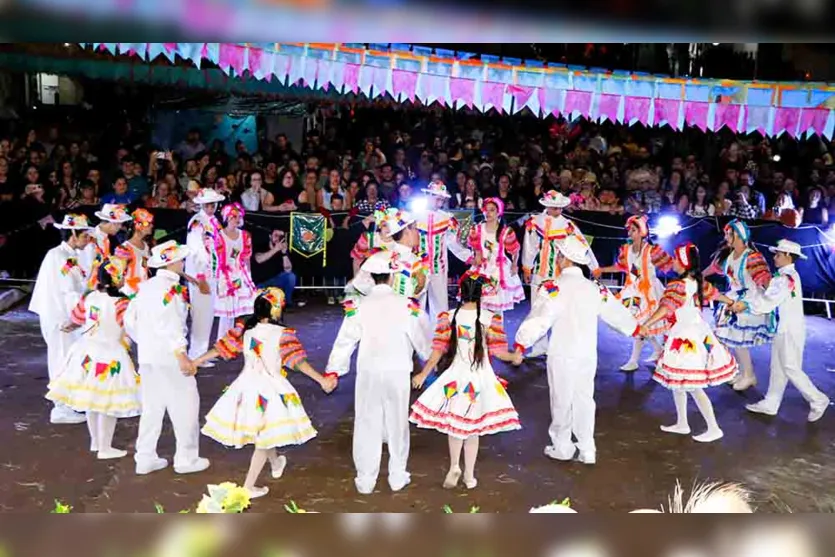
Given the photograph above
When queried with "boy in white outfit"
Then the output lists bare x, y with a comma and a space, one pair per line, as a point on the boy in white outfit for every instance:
387, 327
785, 293
61, 282
156, 321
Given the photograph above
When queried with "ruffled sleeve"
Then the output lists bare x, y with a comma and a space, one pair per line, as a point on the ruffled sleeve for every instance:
443, 333
675, 296
231, 344
473, 240
758, 269
292, 352
496, 336
78, 315
511, 243
361, 248
622, 262
661, 259
121, 308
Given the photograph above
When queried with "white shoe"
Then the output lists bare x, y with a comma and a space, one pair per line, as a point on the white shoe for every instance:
744, 383
197, 466
66, 415
150, 467
452, 477
552, 452
761, 407
678, 429
629, 366
400, 484
363, 488
471, 483
111, 454
587, 457
256, 492
709, 436
817, 411
278, 466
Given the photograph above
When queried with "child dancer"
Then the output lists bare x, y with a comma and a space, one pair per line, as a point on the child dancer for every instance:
98, 376
496, 254
113, 217
235, 289
785, 293
749, 276
640, 260
135, 251
693, 358
467, 400
61, 283
261, 407
372, 241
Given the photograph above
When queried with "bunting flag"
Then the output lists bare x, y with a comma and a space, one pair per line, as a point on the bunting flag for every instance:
308, 235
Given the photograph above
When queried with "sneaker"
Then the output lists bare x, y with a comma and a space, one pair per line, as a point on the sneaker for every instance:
197, 466
552, 452
400, 483
331, 300
66, 415
761, 407
629, 366
277, 466
817, 410
150, 467
111, 454
587, 457
301, 303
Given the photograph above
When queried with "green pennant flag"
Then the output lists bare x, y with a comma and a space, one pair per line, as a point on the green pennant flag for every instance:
308, 235
589, 239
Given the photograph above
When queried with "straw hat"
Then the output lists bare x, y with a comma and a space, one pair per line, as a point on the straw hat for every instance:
438, 189
206, 196
73, 222
167, 253
110, 212
397, 220
574, 249
553, 198
787, 246
381, 263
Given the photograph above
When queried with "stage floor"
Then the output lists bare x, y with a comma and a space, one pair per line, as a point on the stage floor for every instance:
784, 460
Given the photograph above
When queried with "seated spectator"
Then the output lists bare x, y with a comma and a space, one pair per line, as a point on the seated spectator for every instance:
815, 212
88, 196
120, 194
162, 197
699, 206
609, 202
742, 208
372, 202
721, 204
192, 190
254, 197
275, 268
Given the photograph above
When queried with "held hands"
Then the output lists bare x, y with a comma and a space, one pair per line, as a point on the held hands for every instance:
328, 383
418, 380
738, 307
596, 273
188, 367
68, 327
518, 358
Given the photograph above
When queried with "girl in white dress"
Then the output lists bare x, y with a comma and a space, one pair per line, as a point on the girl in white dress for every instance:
98, 376
495, 255
468, 400
235, 289
693, 358
136, 251
261, 407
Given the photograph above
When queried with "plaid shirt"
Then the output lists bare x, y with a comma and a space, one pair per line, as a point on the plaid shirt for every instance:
743, 211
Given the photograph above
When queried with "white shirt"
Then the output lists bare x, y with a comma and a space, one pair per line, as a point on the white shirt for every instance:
156, 319
200, 242
60, 284
785, 293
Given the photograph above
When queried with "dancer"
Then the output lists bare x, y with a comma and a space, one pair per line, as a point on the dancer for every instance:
693, 358
202, 264
571, 305
60, 284
113, 217
372, 241
749, 276
156, 321
539, 250
233, 277
785, 293
98, 375
467, 400
261, 407
388, 329
496, 254
640, 260
438, 233
135, 251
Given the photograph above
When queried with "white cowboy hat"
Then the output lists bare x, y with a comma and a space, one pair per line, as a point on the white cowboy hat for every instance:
787, 246
397, 220
207, 196
553, 198
438, 189
574, 249
381, 263
73, 222
110, 212
167, 253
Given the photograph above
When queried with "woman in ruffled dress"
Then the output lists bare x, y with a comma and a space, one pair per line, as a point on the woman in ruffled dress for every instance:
467, 400
495, 255
235, 289
136, 250
261, 407
693, 358
98, 376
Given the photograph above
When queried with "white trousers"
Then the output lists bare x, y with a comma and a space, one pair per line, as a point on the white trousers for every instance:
571, 388
437, 295
202, 319
164, 389
787, 367
381, 411
541, 345
58, 344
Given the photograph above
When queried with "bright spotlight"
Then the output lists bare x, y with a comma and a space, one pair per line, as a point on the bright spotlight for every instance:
776, 158
418, 205
667, 226
715, 44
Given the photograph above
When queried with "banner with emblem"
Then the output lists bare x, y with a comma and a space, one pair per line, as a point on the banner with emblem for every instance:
308, 235
466, 220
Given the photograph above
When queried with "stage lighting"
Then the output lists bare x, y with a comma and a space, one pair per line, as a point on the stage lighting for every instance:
418, 205
667, 226
776, 158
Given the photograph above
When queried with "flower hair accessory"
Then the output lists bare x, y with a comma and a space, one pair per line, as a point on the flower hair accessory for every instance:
115, 267
142, 218
641, 222
489, 285
498, 203
229, 210
275, 296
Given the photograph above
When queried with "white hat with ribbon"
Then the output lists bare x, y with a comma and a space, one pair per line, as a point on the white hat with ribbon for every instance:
167, 253
380, 263
206, 196
110, 212
553, 198
73, 222
787, 246
574, 249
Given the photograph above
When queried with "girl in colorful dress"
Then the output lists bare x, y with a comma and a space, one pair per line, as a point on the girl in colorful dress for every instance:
693, 358
136, 251
373, 239
496, 255
261, 407
235, 289
468, 400
640, 260
98, 376
749, 276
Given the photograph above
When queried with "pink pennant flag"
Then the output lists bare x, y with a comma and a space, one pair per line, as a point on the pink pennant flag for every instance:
492, 95
727, 115
381, 81
169, 46
756, 119
463, 90
435, 89
521, 95
636, 108
232, 56
403, 82
577, 101
786, 119
607, 107
695, 114
813, 121
352, 77
667, 110
256, 61
550, 100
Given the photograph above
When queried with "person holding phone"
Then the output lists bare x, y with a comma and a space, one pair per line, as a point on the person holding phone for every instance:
275, 266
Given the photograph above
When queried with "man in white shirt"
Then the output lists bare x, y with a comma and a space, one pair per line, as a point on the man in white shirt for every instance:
785, 293
388, 329
156, 321
61, 282
571, 305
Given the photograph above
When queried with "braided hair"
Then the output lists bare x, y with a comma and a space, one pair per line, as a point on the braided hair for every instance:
262, 309
471, 288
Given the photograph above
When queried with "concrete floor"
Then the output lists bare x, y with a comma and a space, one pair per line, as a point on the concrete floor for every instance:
784, 460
